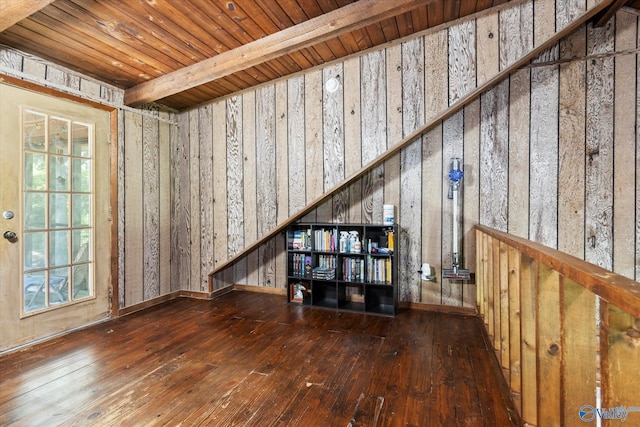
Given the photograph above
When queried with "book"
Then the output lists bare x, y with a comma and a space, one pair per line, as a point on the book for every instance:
297, 240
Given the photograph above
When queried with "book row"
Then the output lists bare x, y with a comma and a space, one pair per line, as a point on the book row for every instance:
348, 242
369, 269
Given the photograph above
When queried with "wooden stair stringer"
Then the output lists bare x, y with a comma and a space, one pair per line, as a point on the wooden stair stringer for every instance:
431, 124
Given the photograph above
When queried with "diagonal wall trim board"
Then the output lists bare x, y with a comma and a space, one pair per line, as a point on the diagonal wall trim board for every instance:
463, 101
603, 17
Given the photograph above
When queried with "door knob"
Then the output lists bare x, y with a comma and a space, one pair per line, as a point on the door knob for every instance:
10, 236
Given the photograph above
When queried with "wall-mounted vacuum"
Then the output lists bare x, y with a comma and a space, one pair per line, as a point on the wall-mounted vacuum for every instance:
455, 178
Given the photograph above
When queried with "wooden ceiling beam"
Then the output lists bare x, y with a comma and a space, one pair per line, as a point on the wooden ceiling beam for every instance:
322, 28
14, 11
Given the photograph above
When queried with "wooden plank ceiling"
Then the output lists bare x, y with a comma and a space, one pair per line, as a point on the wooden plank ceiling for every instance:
130, 44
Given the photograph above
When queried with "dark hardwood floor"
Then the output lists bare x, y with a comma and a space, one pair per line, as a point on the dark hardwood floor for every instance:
249, 359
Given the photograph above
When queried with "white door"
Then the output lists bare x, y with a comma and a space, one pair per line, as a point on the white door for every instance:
54, 216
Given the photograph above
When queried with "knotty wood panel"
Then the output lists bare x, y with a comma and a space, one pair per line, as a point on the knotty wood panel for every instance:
489, 287
314, 163
544, 14
195, 202
544, 133
266, 185
282, 174
181, 251
496, 299
623, 356
333, 128
11, 59
432, 212
150, 206
121, 280
462, 71
211, 179
579, 343
411, 170
282, 166
393, 114
434, 163
493, 150
374, 135
134, 219
515, 351
516, 34
333, 141
571, 156
31, 67
528, 304
543, 181
59, 76
353, 120
219, 202
505, 311
599, 150
625, 90
266, 154
494, 157
234, 167
296, 138
487, 62
166, 135
249, 149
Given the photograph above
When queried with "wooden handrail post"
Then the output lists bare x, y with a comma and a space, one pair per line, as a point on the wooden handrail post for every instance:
561, 328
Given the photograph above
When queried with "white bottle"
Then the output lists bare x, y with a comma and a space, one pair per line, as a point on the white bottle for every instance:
343, 241
354, 242
357, 247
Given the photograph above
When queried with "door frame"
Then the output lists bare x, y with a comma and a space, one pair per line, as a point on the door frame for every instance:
113, 291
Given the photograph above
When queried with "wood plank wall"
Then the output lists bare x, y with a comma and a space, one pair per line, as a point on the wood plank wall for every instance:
538, 149
550, 153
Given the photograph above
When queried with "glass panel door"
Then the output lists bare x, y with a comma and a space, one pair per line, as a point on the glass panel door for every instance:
58, 222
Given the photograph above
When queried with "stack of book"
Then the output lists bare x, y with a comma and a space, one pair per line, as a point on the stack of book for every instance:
324, 273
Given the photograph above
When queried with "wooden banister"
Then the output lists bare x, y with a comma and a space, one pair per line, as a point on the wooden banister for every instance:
565, 332
611, 287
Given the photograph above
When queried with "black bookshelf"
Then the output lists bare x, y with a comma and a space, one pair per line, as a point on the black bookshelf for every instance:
350, 267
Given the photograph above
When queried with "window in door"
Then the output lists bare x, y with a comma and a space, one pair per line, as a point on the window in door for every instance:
57, 195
